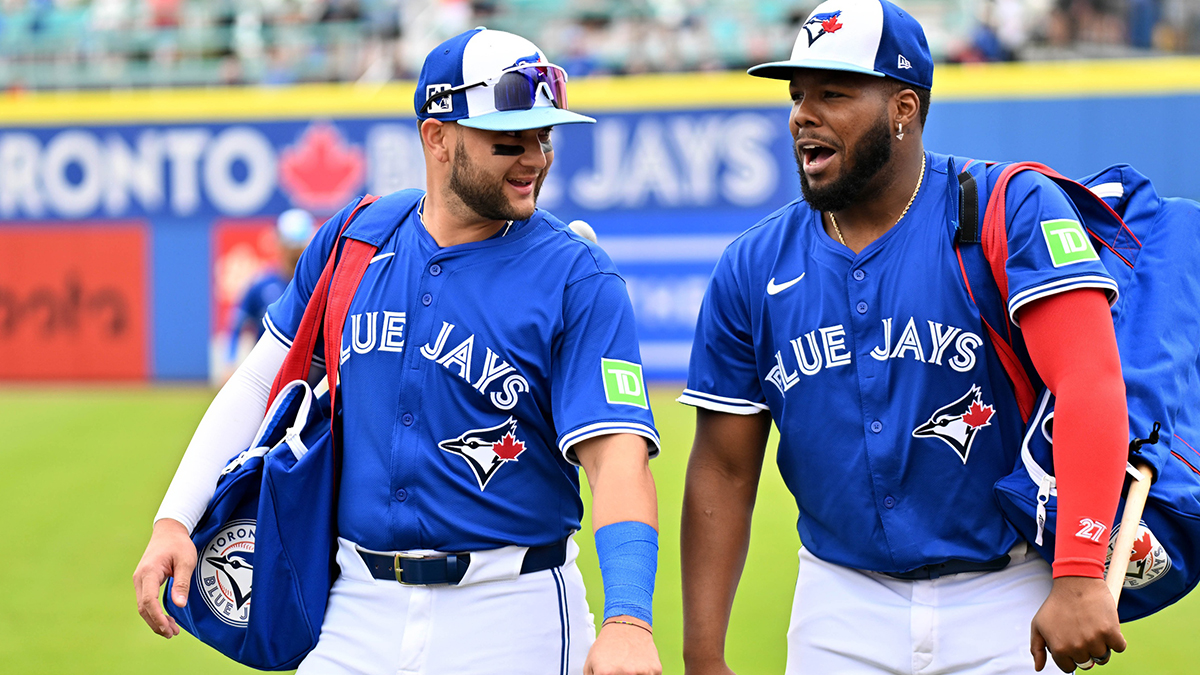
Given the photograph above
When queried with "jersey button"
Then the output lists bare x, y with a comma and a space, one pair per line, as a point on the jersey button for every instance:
877, 426
435, 269
407, 419
888, 501
859, 275
426, 299
861, 307
402, 494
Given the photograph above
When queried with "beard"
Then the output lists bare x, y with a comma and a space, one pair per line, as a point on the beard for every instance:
872, 154
482, 193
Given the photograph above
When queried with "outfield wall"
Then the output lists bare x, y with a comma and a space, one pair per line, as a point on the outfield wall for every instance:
130, 221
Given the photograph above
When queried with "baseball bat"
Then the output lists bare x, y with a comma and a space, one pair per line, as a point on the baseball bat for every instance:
1135, 502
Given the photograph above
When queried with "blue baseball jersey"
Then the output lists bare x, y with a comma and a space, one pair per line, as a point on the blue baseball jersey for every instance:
467, 375
264, 290
895, 416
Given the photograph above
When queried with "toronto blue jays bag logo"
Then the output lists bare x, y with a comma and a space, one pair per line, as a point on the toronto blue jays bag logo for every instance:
225, 570
486, 450
956, 424
825, 23
1147, 563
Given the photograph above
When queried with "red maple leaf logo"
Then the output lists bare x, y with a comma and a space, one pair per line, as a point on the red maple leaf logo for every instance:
321, 171
509, 447
978, 415
830, 25
1141, 547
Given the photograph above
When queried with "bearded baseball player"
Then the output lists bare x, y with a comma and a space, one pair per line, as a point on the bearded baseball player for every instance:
844, 319
489, 352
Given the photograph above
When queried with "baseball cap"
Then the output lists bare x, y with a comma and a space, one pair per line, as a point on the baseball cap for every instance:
490, 79
295, 227
873, 37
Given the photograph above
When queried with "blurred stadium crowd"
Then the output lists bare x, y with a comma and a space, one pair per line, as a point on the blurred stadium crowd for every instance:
78, 44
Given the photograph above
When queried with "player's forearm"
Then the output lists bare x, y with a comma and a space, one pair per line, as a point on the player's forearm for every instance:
618, 473
625, 519
1091, 435
226, 429
715, 537
1072, 343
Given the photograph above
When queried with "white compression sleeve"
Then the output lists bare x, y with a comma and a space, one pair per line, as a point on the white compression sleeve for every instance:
228, 427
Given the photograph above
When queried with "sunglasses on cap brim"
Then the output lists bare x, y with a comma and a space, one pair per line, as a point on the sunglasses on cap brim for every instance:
517, 88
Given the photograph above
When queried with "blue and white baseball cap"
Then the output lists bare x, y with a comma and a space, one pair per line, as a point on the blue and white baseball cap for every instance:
489, 79
873, 37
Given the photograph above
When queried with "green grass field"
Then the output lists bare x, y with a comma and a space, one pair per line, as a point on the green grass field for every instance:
82, 472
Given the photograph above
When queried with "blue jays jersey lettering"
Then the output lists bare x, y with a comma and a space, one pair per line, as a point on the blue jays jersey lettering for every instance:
468, 372
893, 409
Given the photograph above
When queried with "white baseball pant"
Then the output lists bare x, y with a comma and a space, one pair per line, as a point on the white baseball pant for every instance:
494, 621
849, 621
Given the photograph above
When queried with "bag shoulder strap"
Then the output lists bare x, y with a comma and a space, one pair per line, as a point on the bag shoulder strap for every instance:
983, 233
330, 301
299, 357
993, 243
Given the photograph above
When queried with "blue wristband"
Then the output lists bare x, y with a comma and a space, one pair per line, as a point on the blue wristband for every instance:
628, 553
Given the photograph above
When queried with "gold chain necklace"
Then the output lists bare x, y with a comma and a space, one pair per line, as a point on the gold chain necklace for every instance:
911, 199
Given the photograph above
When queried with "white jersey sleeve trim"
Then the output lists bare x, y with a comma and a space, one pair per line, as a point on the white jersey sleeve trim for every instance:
228, 427
569, 439
736, 406
287, 342
1061, 286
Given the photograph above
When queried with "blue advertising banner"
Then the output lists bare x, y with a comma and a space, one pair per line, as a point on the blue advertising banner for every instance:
666, 183
666, 191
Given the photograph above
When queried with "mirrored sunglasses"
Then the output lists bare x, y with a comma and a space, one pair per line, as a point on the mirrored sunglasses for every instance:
517, 88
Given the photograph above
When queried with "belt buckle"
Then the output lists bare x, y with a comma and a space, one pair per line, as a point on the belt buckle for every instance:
399, 570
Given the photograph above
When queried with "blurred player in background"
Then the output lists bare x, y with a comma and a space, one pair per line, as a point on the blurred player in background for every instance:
844, 318
294, 229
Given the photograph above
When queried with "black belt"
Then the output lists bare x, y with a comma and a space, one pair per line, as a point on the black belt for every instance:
425, 569
951, 567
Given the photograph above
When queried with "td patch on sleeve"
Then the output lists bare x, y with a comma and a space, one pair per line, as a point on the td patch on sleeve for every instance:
623, 383
1067, 241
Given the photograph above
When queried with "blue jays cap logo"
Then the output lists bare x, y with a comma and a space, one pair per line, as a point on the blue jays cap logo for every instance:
486, 450
535, 57
225, 572
957, 424
823, 23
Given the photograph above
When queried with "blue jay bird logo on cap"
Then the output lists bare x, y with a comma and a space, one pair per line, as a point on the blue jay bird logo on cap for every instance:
825, 23
532, 58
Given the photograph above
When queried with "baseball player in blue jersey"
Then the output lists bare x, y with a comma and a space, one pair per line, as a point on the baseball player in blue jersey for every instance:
488, 354
294, 229
844, 319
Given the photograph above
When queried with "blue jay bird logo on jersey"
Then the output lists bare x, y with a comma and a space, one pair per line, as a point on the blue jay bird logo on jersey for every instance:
957, 424
825, 23
486, 450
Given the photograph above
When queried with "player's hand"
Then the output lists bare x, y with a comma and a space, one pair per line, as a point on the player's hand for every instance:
1077, 623
169, 553
621, 649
